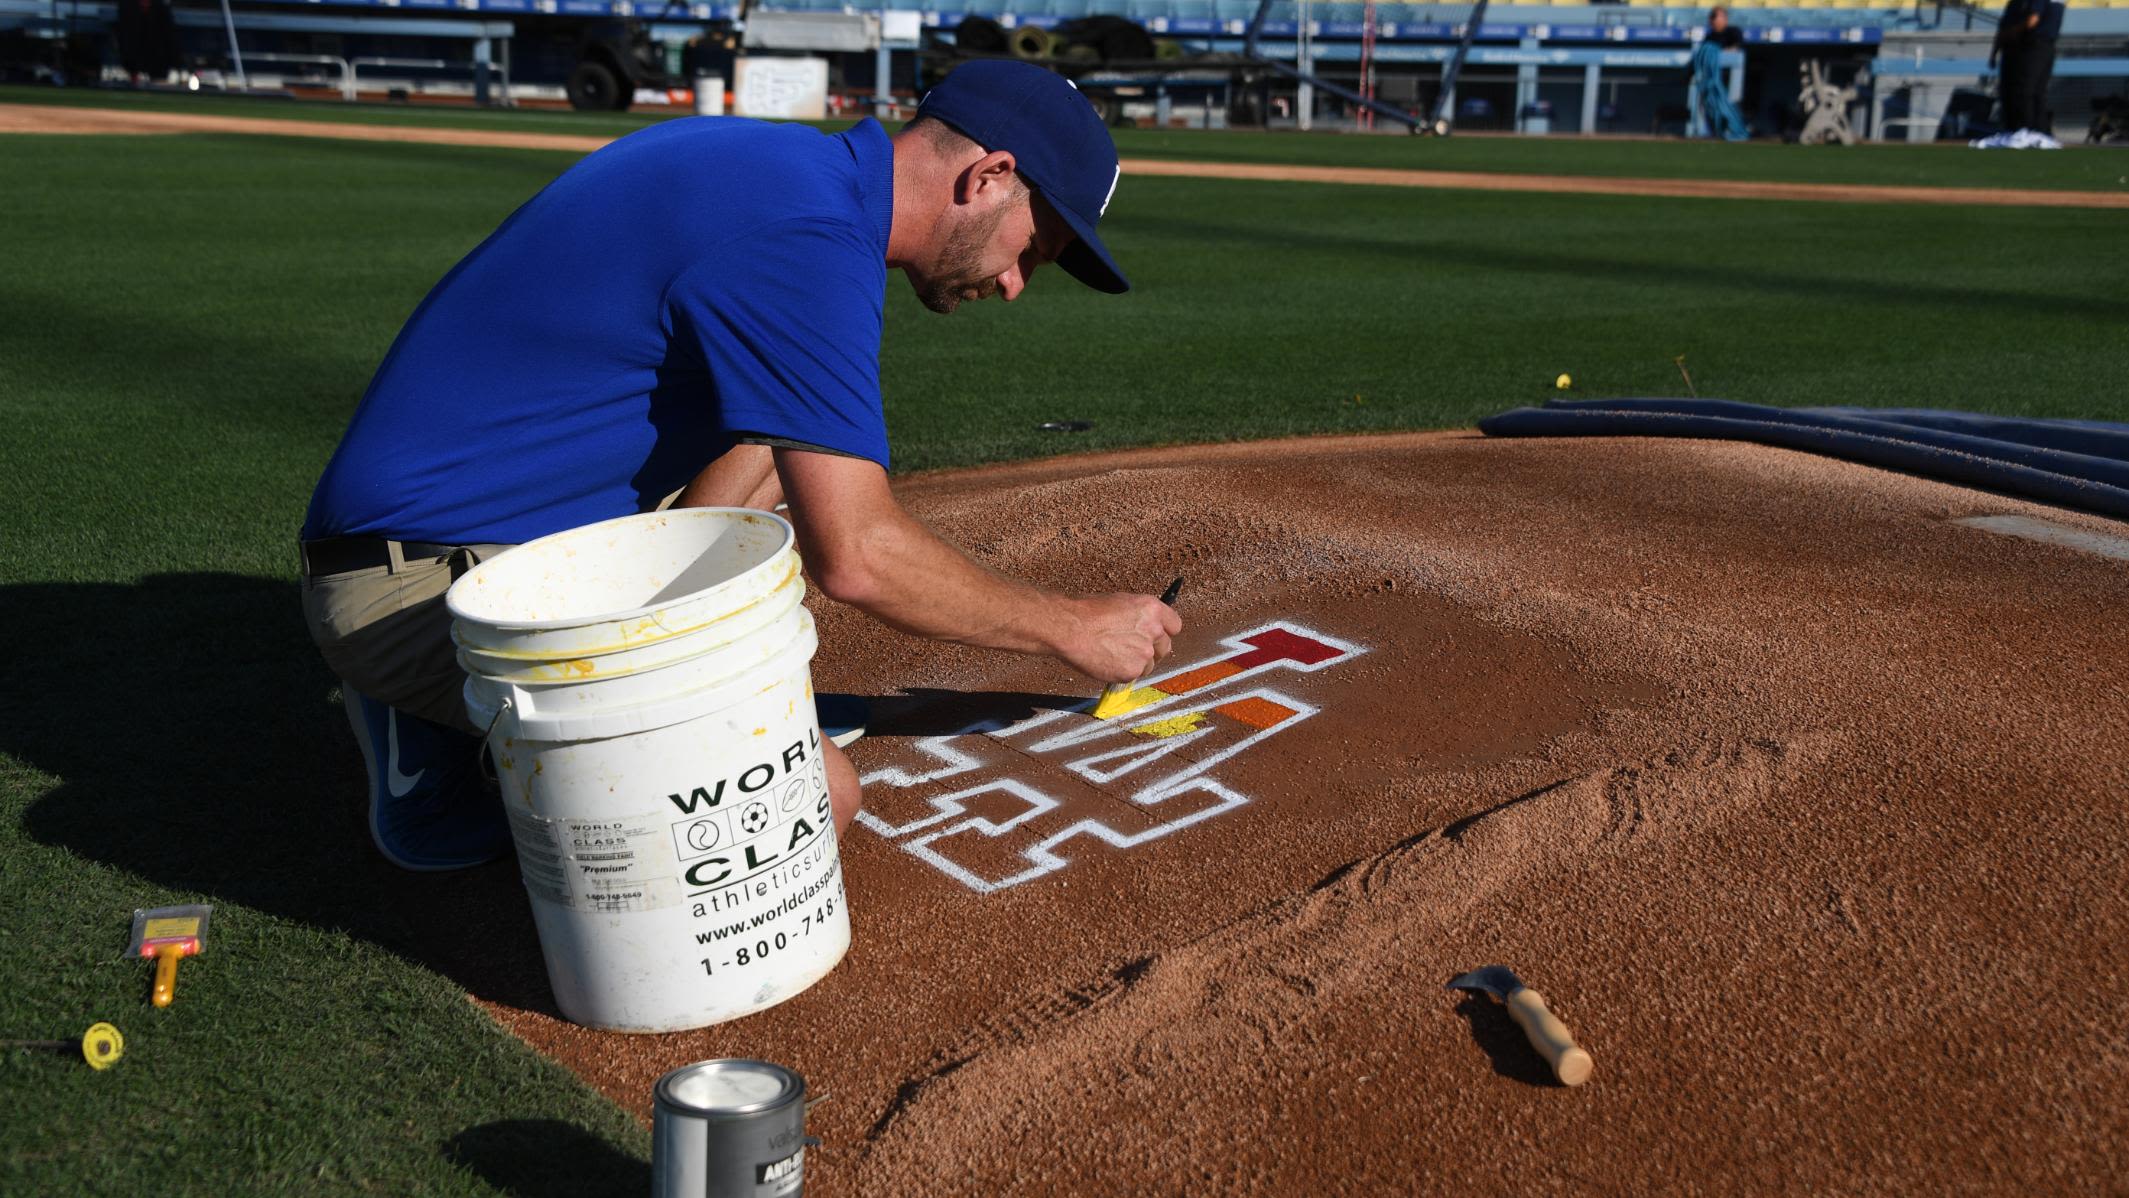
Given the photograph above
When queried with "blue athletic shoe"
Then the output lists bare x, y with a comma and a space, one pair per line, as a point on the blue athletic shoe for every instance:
842, 718
430, 809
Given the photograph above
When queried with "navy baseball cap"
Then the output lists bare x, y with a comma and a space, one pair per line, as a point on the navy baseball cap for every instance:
1058, 143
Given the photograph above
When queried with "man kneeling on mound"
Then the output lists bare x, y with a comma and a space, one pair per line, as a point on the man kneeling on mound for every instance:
692, 315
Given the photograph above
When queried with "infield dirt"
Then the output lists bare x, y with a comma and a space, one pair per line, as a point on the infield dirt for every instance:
1802, 803
59, 119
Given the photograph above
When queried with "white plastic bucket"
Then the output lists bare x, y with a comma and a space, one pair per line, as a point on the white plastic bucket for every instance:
647, 686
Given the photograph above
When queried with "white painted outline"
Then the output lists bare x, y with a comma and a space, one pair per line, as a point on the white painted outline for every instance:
1135, 751
948, 806
955, 761
1152, 748
1045, 860
2048, 532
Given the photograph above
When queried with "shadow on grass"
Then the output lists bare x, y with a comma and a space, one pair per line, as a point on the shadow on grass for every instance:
548, 1158
199, 746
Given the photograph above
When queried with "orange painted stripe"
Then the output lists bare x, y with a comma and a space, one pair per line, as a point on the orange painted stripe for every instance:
1256, 712
1198, 679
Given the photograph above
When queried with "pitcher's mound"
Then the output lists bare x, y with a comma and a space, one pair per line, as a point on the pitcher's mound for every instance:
1802, 803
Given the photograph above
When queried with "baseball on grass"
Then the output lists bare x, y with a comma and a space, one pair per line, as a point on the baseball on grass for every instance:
1563, 382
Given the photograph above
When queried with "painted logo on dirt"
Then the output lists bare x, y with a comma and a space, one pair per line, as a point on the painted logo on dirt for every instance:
996, 805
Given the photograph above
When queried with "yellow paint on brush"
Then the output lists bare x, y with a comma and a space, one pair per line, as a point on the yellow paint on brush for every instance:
1116, 702
1174, 725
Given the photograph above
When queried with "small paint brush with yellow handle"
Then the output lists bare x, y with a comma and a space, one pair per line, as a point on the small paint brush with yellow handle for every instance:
1116, 697
167, 934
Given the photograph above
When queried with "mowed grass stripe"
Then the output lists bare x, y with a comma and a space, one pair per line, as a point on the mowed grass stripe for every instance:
1264, 309
188, 322
1941, 165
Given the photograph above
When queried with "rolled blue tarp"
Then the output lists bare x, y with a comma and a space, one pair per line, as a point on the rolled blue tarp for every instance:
2076, 463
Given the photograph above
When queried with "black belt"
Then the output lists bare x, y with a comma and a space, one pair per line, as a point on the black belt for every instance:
339, 555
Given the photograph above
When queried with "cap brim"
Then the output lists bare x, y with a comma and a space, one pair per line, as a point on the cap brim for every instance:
1087, 259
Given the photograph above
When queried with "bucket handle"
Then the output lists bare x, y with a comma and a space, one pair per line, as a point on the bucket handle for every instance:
481, 755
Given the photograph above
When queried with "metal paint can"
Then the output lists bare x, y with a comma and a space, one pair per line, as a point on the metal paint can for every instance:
730, 1128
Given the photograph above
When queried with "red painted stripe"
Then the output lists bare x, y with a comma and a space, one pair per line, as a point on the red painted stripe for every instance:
1277, 644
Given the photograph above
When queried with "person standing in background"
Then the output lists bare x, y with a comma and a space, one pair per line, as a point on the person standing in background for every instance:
1722, 118
2025, 44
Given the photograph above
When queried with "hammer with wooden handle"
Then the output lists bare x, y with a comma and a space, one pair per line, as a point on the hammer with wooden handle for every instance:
1527, 1007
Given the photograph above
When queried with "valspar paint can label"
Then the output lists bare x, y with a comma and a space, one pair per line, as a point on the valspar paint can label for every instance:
729, 1129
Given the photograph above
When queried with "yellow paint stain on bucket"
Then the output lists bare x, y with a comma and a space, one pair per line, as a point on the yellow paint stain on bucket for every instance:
1174, 725
563, 671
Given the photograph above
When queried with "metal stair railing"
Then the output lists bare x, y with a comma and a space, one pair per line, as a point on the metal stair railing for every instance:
1250, 50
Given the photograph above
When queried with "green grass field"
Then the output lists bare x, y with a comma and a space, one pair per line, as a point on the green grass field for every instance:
186, 323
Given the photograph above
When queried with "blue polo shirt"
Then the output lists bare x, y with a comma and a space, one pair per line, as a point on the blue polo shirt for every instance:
698, 280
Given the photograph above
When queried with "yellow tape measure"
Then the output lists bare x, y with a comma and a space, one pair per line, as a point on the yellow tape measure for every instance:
101, 1046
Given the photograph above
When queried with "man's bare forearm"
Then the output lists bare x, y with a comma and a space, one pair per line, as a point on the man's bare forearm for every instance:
902, 574
745, 476
864, 550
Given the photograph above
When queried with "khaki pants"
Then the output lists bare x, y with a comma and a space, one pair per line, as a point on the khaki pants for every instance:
386, 633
